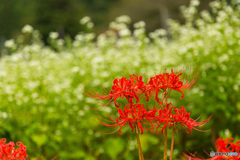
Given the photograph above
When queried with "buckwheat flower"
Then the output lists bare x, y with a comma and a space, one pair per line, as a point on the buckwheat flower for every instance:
140, 24
123, 19
10, 44
27, 29
53, 35
90, 25
85, 20
8, 151
124, 32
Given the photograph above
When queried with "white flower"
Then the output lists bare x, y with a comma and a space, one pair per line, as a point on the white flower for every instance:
85, 20
10, 44
75, 69
53, 35
124, 33
140, 24
60, 42
195, 2
123, 19
27, 29
139, 32
90, 25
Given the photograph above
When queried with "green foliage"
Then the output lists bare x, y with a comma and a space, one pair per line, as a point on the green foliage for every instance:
118, 147
42, 102
58, 15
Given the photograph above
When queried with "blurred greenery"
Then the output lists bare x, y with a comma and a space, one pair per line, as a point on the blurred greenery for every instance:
42, 102
51, 15
63, 15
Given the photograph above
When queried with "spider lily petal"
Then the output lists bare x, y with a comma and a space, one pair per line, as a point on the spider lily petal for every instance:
222, 145
8, 151
132, 115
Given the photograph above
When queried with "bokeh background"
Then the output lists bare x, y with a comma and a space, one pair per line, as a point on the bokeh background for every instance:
51, 52
63, 16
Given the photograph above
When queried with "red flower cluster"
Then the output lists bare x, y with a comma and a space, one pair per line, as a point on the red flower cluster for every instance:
223, 146
135, 114
124, 88
170, 81
152, 119
132, 115
178, 116
8, 151
134, 87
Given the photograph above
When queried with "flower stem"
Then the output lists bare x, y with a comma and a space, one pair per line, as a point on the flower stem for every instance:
165, 145
165, 136
140, 154
172, 143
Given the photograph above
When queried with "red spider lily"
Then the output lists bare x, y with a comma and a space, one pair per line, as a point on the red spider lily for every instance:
169, 116
8, 151
171, 81
183, 117
165, 118
223, 145
134, 87
137, 115
139, 86
123, 88
227, 145
132, 115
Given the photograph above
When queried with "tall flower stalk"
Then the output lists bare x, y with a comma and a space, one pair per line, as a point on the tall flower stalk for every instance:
172, 142
165, 136
140, 153
161, 117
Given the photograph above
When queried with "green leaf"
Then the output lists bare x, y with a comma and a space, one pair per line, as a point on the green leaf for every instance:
238, 106
113, 147
39, 139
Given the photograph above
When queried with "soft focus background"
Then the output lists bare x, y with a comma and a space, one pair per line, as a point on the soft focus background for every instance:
63, 16
45, 65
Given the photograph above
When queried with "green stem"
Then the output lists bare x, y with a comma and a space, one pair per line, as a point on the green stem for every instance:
165, 145
172, 144
165, 136
140, 154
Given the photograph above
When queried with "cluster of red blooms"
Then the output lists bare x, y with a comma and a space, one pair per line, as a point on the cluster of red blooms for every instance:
223, 146
136, 114
8, 151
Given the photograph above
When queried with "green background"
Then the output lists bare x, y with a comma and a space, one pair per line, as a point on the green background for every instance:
42, 102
